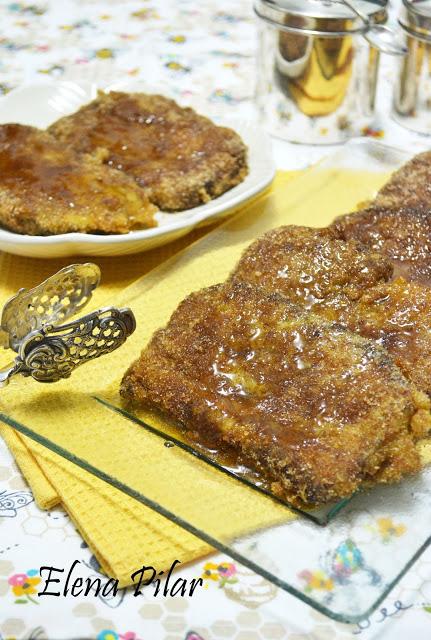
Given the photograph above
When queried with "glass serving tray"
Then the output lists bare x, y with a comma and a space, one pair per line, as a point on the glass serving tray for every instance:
344, 569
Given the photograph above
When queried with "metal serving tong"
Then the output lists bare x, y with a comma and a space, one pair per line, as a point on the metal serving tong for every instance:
31, 325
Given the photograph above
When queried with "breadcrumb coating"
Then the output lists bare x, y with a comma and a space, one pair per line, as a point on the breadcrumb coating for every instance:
314, 408
46, 189
180, 158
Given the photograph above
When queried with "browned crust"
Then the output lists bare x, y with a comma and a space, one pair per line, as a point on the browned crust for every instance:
312, 267
180, 158
46, 189
241, 364
410, 186
398, 221
398, 315
316, 409
401, 233
344, 281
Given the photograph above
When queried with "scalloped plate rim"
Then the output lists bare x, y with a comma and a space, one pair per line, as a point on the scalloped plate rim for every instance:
262, 172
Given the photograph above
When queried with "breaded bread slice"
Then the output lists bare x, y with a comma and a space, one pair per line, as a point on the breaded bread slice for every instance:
346, 282
180, 158
317, 410
401, 233
46, 189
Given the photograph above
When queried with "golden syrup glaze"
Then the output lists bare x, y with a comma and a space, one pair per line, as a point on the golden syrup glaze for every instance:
342, 280
312, 268
339, 278
310, 406
397, 222
227, 457
409, 187
398, 316
47, 189
180, 158
401, 233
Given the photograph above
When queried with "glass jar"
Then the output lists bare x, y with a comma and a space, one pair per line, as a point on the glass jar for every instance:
317, 75
412, 93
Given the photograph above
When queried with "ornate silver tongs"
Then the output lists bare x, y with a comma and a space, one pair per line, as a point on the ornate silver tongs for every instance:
48, 350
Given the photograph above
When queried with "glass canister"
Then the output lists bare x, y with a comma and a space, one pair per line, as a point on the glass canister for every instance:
412, 93
317, 75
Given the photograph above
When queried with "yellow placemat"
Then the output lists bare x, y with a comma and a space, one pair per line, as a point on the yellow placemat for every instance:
105, 516
67, 413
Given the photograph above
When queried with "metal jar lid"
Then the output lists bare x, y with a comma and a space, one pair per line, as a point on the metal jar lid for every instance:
320, 17
415, 18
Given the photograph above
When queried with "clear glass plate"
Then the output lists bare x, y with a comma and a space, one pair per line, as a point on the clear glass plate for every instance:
172, 436
344, 569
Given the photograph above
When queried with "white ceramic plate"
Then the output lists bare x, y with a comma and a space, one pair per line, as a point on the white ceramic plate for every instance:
42, 104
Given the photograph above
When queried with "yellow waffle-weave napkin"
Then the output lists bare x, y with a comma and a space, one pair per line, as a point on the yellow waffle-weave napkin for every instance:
107, 518
123, 533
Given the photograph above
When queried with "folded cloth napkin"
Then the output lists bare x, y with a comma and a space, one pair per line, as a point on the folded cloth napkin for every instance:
122, 533
93, 460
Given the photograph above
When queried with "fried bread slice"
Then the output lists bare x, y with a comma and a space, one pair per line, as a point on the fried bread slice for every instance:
346, 282
398, 221
314, 408
402, 233
46, 189
312, 267
398, 316
180, 158
410, 186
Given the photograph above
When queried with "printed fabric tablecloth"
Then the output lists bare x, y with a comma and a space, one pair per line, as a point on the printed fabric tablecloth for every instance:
204, 52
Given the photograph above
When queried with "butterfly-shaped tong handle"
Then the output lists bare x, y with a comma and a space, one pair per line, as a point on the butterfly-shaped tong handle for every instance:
47, 350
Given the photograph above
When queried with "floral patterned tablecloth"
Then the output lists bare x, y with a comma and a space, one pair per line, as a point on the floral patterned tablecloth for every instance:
204, 52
